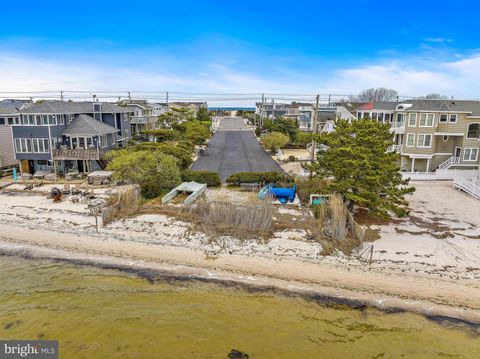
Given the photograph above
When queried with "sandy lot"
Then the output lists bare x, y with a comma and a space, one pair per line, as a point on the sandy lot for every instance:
429, 262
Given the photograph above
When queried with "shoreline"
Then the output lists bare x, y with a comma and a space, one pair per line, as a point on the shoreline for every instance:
342, 284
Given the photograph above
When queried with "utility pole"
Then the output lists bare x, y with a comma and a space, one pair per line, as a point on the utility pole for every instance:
166, 98
314, 131
262, 109
129, 96
61, 95
273, 110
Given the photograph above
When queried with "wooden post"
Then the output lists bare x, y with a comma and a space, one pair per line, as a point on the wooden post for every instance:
371, 254
314, 131
96, 221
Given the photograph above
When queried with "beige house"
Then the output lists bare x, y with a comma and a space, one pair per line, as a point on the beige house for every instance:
432, 134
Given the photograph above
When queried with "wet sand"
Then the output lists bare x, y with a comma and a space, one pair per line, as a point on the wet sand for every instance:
446, 284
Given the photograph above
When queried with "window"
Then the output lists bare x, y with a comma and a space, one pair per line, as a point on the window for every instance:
470, 154
412, 119
18, 146
38, 120
380, 117
443, 118
424, 141
374, 116
387, 117
35, 145
426, 119
44, 120
401, 117
410, 140
97, 107
453, 118
473, 130
445, 138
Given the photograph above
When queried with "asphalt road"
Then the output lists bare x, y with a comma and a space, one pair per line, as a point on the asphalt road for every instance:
233, 149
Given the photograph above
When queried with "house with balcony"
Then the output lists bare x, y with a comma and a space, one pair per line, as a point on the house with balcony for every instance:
68, 137
144, 114
440, 134
304, 112
431, 134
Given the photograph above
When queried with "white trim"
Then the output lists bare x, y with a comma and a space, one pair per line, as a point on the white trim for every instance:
424, 138
417, 156
451, 134
455, 151
414, 122
406, 140
476, 149
426, 119
440, 118
468, 127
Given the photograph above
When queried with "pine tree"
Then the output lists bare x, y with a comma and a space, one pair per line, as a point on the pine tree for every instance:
360, 167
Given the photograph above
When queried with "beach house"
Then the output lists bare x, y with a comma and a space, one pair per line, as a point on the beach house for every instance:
431, 134
145, 114
68, 137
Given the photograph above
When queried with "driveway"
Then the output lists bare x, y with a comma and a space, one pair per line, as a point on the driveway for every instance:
233, 149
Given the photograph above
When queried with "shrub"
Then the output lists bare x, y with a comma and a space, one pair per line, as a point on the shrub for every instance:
162, 134
155, 172
197, 131
275, 140
180, 153
189, 146
291, 158
212, 179
303, 138
254, 177
306, 187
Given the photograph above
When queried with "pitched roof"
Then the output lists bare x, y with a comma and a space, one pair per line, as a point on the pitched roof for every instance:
472, 106
84, 125
71, 107
10, 106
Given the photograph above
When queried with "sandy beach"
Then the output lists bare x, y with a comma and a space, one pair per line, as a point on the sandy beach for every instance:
428, 263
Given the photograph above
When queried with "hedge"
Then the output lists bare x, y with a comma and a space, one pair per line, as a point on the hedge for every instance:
212, 179
254, 177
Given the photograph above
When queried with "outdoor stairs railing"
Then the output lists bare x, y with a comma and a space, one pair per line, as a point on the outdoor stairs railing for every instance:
449, 163
468, 185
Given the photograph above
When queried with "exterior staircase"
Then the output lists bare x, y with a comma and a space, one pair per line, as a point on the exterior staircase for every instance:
451, 161
468, 185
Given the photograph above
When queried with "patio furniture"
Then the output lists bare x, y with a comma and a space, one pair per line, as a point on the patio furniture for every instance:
99, 177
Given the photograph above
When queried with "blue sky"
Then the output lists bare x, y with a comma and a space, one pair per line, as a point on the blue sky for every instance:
416, 47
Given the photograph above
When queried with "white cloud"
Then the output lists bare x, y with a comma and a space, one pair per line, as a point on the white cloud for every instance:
414, 78
437, 39
409, 76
